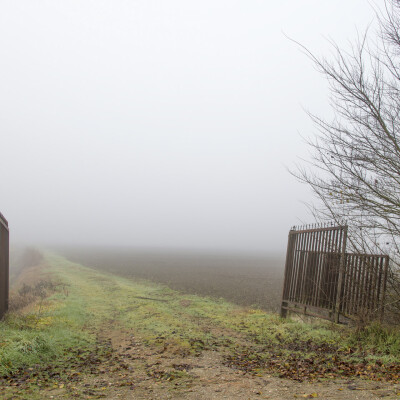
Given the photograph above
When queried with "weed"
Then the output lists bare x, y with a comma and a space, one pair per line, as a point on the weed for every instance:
29, 294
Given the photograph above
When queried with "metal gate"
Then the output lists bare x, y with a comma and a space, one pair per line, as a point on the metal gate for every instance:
323, 280
4, 265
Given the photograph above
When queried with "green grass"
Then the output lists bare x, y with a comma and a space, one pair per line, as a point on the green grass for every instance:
44, 334
26, 343
152, 310
378, 340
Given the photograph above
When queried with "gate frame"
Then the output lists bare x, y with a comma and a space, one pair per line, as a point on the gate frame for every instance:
322, 240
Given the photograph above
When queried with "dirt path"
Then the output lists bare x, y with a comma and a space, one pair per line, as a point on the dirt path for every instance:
137, 372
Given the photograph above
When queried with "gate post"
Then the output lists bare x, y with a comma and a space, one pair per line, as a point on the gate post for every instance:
286, 281
4, 265
382, 305
341, 276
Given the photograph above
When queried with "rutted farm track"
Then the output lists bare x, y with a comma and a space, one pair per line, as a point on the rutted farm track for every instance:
137, 340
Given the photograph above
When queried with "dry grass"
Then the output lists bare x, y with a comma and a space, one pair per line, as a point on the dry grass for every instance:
30, 294
30, 283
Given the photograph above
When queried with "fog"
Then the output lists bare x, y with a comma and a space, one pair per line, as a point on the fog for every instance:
161, 123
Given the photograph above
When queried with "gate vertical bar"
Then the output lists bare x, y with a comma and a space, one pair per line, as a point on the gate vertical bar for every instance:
288, 270
341, 274
382, 309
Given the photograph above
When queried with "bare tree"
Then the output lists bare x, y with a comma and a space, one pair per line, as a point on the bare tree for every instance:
355, 165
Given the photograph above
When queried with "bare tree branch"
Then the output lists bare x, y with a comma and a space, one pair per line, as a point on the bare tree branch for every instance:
354, 170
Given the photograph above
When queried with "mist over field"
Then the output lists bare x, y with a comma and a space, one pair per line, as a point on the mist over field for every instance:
154, 124
246, 279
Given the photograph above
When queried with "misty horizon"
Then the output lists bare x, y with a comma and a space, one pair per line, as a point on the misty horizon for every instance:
161, 126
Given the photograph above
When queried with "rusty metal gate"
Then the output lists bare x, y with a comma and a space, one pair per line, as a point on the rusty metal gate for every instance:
4, 265
323, 280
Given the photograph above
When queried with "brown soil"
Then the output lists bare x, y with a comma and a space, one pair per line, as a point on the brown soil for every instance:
142, 373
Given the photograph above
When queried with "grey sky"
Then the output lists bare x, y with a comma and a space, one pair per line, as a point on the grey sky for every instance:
160, 123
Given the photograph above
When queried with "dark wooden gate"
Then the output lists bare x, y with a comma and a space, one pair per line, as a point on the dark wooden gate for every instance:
4, 265
323, 280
